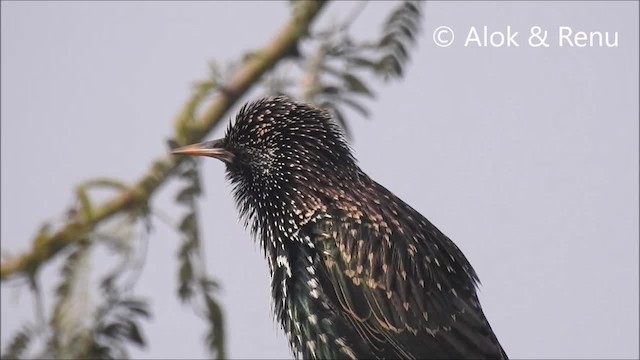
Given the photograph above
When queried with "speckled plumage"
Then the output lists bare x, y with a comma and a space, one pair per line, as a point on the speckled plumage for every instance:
356, 272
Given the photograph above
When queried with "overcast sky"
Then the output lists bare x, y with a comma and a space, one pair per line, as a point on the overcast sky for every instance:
526, 157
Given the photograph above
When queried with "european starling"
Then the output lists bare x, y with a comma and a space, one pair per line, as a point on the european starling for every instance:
356, 272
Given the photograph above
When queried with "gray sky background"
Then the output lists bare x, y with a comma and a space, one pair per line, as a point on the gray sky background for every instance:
526, 157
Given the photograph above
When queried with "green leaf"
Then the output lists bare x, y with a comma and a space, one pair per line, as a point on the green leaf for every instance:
400, 51
389, 66
133, 334
330, 90
406, 32
387, 40
357, 107
361, 62
185, 288
186, 195
209, 285
215, 335
18, 344
138, 307
188, 224
112, 330
356, 85
413, 7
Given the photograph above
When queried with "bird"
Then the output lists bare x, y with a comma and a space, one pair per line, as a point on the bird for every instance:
356, 272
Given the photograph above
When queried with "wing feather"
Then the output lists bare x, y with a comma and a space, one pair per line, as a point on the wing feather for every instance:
404, 286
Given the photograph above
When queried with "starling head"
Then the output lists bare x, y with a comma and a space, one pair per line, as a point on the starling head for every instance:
273, 139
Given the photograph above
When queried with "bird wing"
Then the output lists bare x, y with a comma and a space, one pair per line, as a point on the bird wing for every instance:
406, 288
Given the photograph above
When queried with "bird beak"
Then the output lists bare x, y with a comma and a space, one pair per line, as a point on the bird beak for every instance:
212, 149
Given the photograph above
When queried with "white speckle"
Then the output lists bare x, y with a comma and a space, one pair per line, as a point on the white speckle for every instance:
312, 347
313, 319
284, 290
283, 261
314, 294
311, 270
323, 338
345, 349
439, 286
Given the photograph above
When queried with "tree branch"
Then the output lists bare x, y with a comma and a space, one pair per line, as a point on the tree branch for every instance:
46, 245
